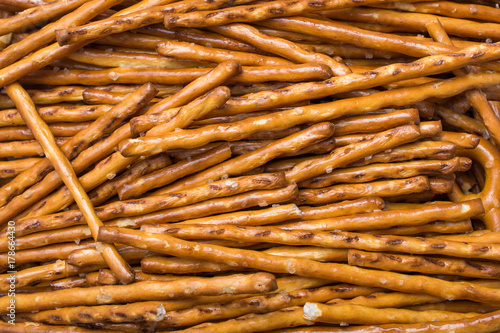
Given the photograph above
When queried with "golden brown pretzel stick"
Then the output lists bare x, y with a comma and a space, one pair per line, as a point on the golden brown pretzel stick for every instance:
71, 282
147, 290
250, 161
63, 167
92, 257
95, 96
345, 207
417, 21
303, 267
37, 15
426, 265
194, 52
460, 139
444, 227
48, 96
363, 315
169, 174
77, 144
416, 215
13, 168
116, 162
458, 120
172, 265
28, 148
136, 59
136, 19
45, 35
108, 189
106, 277
41, 328
384, 170
279, 46
388, 300
23, 133
245, 147
53, 114
275, 214
456, 306
383, 188
249, 74
310, 252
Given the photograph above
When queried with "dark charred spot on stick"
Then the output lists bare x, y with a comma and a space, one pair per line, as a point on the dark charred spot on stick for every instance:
483, 249
371, 74
315, 4
65, 92
84, 315
306, 235
396, 71
475, 265
456, 54
173, 19
254, 302
263, 181
9, 171
217, 231
439, 62
34, 225
359, 175
205, 310
263, 233
477, 55
394, 258
214, 187
106, 31
153, 312
276, 11
55, 318
438, 246
147, 21
120, 314
209, 15
177, 195
251, 9
435, 262
233, 16
192, 9
286, 310
352, 239
395, 242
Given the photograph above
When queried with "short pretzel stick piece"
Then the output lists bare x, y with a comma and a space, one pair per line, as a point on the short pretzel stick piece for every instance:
303, 267
146, 290
359, 314
425, 265
279, 46
63, 167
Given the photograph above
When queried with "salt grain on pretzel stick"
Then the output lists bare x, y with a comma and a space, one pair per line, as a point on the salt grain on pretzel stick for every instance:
338, 272
147, 290
425, 265
279, 46
108, 121
63, 167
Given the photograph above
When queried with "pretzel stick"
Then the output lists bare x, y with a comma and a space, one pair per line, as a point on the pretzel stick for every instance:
63, 167
23, 133
249, 74
106, 277
463, 122
92, 257
279, 46
95, 96
303, 267
162, 265
71, 282
411, 216
54, 114
384, 188
28, 148
109, 188
13, 168
164, 176
359, 314
345, 207
47, 96
135, 20
310, 252
384, 170
41, 328
250, 161
116, 162
426, 265
131, 59
443, 227
77, 144
194, 52
147, 290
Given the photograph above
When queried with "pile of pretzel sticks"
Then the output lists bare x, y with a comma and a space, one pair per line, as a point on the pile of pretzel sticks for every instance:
249, 166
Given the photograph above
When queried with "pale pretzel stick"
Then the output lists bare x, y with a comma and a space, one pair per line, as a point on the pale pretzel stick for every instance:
108, 121
410, 216
172, 265
194, 52
440, 227
249, 74
310, 252
13, 168
270, 215
384, 170
131, 59
458, 120
279, 46
28, 148
383, 188
364, 315
426, 265
136, 20
53, 114
338, 272
37, 15
58, 129
331, 239
47, 96
63, 167
116, 162
201, 209
41, 328
135, 187
108, 189
247, 162
345, 207
71, 282
147, 290
45, 36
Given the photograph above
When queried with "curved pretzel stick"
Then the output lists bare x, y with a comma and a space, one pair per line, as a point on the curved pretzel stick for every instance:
383, 188
279, 46
147, 290
345, 207
426, 265
363, 315
194, 52
338, 272
384, 170
63, 167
